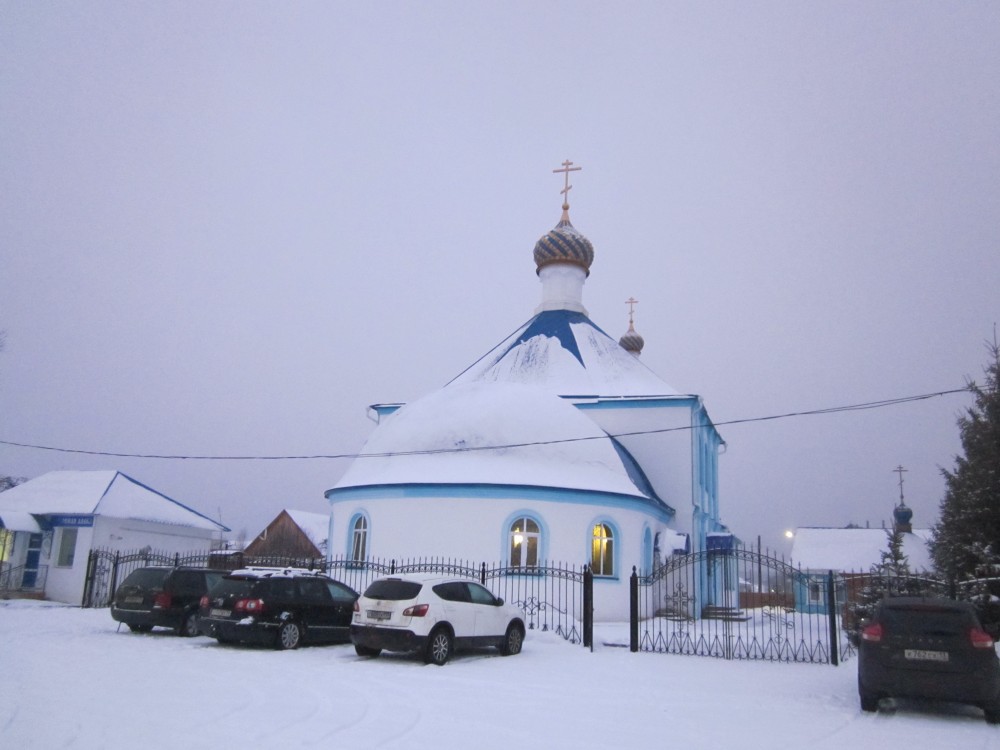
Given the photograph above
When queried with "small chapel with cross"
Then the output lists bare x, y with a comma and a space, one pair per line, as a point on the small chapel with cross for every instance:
559, 444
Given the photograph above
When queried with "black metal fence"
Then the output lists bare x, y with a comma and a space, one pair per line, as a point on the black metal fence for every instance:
738, 604
551, 595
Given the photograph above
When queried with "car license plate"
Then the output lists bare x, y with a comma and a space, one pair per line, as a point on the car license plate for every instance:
133, 600
378, 614
920, 655
219, 613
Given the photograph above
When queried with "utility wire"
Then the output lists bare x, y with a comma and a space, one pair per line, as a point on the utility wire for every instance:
811, 412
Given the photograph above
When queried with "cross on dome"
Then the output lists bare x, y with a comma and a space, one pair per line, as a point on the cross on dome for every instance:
567, 167
632, 342
631, 302
564, 245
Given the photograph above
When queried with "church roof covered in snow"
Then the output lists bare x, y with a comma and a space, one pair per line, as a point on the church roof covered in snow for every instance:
498, 433
101, 493
855, 550
564, 352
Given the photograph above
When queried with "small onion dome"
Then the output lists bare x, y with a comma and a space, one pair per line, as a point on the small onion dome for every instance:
903, 515
564, 244
632, 342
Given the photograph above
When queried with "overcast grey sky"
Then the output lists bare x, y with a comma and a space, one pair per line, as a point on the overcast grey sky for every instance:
226, 228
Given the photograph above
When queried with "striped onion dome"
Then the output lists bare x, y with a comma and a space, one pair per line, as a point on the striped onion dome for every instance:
564, 244
632, 342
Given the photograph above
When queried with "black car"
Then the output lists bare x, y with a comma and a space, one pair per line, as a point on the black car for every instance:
282, 607
917, 647
163, 596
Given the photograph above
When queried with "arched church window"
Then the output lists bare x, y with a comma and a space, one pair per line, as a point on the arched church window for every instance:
359, 539
524, 538
602, 551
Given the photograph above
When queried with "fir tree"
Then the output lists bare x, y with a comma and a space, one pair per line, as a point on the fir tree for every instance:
894, 563
967, 538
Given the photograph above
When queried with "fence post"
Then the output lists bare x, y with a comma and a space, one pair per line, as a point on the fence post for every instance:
89, 580
588, 608
482, 574
113, 585
633, 612
177, 559
831, 605
392, 567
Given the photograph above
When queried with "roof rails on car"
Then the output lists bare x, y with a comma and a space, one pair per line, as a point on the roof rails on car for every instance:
264, 571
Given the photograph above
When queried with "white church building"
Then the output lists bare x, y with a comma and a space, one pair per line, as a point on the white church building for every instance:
558, 445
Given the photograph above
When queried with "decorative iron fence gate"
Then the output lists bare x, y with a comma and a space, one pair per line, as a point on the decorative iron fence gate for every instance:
739, 603
553, 597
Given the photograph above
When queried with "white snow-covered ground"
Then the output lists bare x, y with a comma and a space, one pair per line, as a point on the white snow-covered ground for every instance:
68, 678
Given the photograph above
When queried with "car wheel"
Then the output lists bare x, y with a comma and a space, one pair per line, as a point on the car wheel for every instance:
869, 700
512, 641
189, 626
438, 647
140, 628
992, 712
289, 636
366, 650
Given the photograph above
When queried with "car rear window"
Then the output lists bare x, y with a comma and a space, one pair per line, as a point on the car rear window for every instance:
234, 587
393, 589
926, 621
147, 578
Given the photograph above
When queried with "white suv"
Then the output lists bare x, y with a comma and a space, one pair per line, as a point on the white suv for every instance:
433, 616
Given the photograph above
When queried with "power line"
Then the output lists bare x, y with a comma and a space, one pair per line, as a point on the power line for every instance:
331, 456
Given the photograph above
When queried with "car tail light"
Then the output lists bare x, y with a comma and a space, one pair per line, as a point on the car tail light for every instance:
417, 610
162, 600
203, 602
980, 638
250, 606
872, 633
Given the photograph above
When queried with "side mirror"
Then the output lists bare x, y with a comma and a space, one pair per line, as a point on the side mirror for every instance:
499, 602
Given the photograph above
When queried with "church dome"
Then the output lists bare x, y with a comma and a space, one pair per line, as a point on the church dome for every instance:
564, 244
632, 342
902, 515
492, 433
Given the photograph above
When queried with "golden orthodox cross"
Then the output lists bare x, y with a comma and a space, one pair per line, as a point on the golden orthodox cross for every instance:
567, 167
631, 302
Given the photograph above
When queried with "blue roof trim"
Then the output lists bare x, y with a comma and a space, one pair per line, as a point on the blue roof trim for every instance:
635, 472
554, 324
471, 491
651, 401
155, 492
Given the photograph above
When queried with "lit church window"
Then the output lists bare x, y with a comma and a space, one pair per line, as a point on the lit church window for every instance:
524, 537
602, 551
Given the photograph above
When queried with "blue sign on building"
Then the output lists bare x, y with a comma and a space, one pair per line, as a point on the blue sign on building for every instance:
67, 520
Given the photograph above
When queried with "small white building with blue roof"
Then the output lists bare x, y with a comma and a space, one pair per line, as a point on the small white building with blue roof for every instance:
557, 445
50, 524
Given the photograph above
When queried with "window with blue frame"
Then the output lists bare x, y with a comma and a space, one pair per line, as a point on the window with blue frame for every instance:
525, 540
359, 539
602, 555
